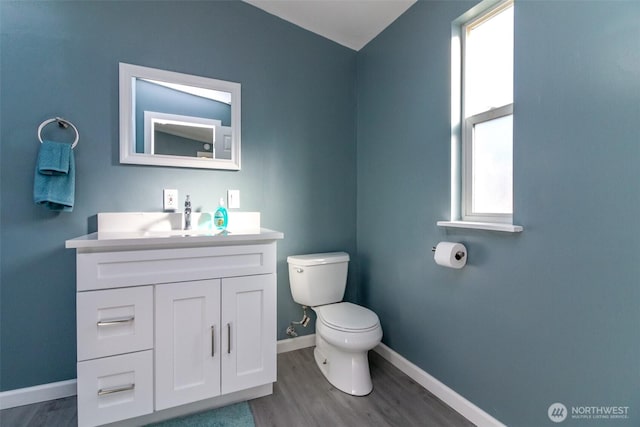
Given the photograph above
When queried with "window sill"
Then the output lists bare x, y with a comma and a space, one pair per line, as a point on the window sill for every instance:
491, 226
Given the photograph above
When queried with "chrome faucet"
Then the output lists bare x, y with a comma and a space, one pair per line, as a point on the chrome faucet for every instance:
187, 213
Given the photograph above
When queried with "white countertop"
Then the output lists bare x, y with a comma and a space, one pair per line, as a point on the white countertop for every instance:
101, 241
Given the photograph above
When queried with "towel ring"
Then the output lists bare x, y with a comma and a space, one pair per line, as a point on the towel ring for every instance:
63, 123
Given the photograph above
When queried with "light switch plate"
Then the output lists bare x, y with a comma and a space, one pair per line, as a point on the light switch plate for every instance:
170, 200
233, 199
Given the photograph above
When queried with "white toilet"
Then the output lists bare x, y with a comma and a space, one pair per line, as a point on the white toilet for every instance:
345, 332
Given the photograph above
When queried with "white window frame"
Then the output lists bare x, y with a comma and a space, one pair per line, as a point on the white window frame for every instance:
467, 166
462, 129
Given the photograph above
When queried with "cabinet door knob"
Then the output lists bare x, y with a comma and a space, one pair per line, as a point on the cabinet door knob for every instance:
213, 340
118, 321
117, 389
229, 338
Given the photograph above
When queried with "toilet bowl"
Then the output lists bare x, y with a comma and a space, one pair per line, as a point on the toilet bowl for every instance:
345, 332
342, 348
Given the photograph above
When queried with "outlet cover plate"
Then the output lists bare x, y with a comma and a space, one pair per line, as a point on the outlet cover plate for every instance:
170, 199
233, 199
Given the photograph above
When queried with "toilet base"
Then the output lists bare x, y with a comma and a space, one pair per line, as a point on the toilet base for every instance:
346, 371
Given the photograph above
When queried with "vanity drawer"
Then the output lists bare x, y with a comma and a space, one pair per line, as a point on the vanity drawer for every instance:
114, 321
100, 270
115, 388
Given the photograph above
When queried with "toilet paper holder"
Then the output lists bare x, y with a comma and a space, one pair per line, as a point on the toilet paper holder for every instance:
459, 255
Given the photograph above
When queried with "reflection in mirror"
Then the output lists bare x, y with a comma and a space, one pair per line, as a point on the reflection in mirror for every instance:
176, 135
175, 119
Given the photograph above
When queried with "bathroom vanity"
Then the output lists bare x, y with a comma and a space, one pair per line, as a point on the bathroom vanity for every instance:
170, 323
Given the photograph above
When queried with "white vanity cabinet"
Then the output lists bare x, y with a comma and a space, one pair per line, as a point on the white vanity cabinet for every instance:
175, 325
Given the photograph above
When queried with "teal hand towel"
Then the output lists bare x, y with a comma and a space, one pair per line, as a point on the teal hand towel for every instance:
53, 158
54, 183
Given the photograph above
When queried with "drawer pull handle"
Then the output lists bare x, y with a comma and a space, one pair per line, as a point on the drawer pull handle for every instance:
117, 389
229, 338
118, 321
213, 340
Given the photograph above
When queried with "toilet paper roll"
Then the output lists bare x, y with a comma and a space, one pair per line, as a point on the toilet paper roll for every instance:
450, 254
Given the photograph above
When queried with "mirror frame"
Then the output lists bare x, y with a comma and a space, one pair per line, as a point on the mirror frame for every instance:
128, 75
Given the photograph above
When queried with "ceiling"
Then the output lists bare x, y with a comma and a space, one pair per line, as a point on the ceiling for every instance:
351, 23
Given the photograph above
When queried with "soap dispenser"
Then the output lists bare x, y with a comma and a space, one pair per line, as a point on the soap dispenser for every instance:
221, 217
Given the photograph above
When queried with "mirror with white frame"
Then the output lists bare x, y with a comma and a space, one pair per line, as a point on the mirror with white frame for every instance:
181, 120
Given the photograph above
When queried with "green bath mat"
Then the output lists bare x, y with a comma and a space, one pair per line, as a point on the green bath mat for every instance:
238, 415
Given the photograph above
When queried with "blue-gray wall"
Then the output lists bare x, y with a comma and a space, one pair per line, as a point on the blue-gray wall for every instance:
548, 315
61, 58
544, 316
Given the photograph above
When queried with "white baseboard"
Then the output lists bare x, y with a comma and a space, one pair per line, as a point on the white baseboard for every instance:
35, 394
441, 391
292, 344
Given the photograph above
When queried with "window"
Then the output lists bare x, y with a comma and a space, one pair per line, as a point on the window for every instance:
487, 108
482, 114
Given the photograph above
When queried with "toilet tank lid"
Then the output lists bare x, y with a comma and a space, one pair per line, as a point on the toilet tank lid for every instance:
318, 259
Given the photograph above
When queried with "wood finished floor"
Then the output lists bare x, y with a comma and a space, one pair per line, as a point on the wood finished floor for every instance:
301, 397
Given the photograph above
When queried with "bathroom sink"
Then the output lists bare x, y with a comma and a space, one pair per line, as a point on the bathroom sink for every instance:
157, 224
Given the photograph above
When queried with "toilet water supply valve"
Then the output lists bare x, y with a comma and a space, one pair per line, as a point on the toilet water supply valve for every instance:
291, 330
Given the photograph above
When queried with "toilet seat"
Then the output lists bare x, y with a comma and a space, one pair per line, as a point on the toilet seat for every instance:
347, 317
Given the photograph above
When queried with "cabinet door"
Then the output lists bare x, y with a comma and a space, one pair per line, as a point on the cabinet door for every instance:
187, 350
249, 331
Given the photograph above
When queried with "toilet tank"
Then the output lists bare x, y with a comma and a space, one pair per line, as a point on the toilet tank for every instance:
318, 279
